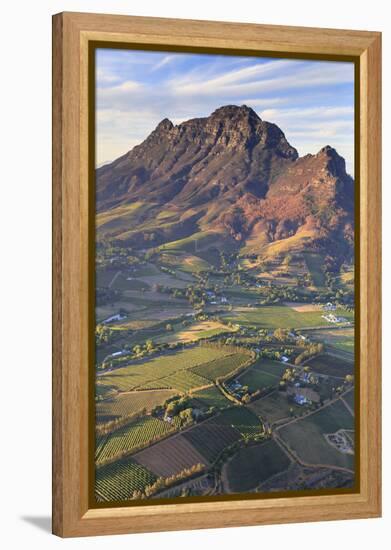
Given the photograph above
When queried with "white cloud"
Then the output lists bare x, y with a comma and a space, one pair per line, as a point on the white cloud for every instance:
299, 96
165, 61
103, 76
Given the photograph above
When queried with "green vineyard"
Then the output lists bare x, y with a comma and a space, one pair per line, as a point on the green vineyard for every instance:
241, 418
119, 480
133, 436
143, 373
221, 366
210, 397
182, 381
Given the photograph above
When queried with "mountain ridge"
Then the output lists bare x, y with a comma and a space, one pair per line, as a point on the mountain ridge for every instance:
231, 174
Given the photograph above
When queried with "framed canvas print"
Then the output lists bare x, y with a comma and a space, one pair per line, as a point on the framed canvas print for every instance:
216, 230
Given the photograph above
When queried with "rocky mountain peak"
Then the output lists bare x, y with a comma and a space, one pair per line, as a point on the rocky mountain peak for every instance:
230, 173
164, 125
234, 111
335, 163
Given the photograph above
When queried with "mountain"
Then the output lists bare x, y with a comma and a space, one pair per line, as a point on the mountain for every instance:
227, 180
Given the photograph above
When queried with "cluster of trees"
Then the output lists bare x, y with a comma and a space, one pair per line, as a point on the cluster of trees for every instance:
115, 255
311, 350
113, 425
274, 294
166, 482
176, 406
276, 354
103, 334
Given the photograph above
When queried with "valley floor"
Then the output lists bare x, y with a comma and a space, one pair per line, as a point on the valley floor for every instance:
221, 379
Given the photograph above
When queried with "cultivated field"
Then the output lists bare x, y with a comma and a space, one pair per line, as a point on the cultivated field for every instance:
133, 436
144, 372
211, 439
183, 381
303, 308
331, 365
262, 374
306, 436
204, 329
210, 397
241, 418
274, 407
221, 366
169, 457
127, 403
251, 466
281, 317
339, 339
119, 480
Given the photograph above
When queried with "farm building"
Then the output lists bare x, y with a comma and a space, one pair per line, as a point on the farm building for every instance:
303, 396
331, 318
117, 317
118, 353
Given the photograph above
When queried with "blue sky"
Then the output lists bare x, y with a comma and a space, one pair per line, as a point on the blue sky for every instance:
311, 101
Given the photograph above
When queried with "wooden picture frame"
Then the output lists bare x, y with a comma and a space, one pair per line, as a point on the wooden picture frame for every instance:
72, 33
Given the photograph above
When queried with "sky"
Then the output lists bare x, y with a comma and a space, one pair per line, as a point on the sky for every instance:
311, 101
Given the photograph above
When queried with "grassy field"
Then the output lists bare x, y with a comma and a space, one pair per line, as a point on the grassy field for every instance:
128, 403
306, 436
256, 379
349, 398
132, 436
339, 339
119, 218
274, 407
105, 276
170, 456
194, 243
253, 465
125, 282
143, 372
281, 317
184, 262
331, 365
262, 374
210, 397
203, 329
221, 366
119, 480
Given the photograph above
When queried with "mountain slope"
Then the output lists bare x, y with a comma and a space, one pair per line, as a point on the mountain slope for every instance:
227, 180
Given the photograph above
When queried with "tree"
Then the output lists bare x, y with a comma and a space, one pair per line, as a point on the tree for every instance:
280, 334
137, 349
149, 345
186, 415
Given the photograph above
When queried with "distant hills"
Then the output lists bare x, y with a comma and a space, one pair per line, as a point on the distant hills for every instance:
228, 181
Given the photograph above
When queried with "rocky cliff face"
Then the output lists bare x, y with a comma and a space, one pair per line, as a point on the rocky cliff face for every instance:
233, 174
231, 151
